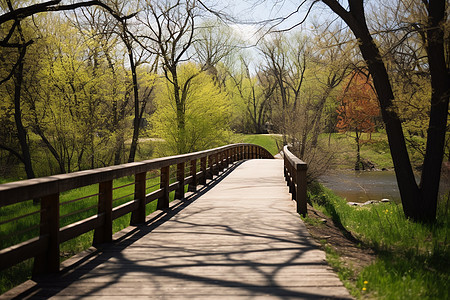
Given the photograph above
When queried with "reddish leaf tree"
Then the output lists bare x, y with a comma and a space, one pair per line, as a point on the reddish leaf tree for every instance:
358, 110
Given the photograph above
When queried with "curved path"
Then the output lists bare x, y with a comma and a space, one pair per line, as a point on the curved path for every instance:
241, 239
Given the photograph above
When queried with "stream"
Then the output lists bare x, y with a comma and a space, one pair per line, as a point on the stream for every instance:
362, 186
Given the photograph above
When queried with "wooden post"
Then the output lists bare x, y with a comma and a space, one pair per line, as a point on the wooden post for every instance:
48, 262
218, 162
179, 192
203, 167
210, 172
163, 202
216, 159
285, 169
193, 172
220, 156
104, 233
292, 188
138, 216
301, 188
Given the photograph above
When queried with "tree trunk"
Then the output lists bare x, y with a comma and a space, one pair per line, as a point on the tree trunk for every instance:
416, 204
409, 191
137, 119
440, 86
358, 151
318, 116
181, 121
50, 147
21, 131
118, 149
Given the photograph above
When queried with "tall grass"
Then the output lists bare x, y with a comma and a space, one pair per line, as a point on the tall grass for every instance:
413, 258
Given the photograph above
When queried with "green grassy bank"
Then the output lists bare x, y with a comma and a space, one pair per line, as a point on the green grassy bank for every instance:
374, 148
268, 141
413, 260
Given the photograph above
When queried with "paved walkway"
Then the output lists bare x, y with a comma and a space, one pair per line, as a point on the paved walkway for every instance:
239, 240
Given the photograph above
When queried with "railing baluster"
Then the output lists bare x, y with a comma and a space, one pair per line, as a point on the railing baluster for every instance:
203, 167
210, 165
193, 172
216, 169
301, 189
179, 192
103, 234
49, 260
138, 216
292, 188
163, 202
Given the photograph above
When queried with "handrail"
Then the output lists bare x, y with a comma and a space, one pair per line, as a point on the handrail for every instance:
295, 175
45, 248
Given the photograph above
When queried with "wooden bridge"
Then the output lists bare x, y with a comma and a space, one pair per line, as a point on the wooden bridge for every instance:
235, 234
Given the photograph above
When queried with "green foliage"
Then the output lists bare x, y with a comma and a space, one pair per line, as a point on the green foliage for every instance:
413, 258
206, 114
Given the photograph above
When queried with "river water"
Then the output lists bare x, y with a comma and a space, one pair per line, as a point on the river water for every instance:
362, 186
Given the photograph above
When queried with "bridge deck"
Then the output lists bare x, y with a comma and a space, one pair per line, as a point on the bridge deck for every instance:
241, 239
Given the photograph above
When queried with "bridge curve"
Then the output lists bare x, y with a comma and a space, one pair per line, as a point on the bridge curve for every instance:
238, 237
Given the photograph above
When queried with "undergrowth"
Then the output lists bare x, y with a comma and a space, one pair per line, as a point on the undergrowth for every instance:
413, 258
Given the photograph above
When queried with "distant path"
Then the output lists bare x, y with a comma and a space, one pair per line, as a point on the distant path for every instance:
239, 240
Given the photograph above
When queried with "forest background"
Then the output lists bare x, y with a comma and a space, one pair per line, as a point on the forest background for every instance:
88, 88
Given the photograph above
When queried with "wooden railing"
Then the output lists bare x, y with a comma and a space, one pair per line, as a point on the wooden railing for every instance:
191, 169
295, 175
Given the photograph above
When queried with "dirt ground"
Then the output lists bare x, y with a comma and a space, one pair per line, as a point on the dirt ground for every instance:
353, 255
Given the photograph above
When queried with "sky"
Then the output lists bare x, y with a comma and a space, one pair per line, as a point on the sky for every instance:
249, 12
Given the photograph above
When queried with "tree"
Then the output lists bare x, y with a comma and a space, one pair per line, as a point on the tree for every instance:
214, 43
285, 62
206, 111
419, 201
171, 33
16, 38
135, 58
331, 64
252, 96
358, 110
13, 16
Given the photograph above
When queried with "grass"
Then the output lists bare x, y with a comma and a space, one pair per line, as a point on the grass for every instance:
413, 258
12, 233
374, 148
268, 141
